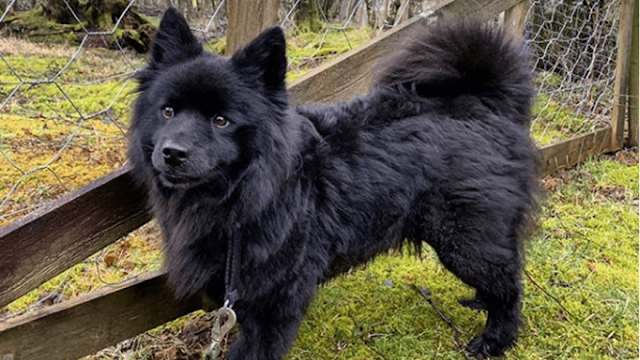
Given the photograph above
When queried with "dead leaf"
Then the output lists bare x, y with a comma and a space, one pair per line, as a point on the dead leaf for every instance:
109, 259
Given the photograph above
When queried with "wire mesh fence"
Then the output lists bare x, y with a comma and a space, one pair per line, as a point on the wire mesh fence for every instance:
64, 109
573, 46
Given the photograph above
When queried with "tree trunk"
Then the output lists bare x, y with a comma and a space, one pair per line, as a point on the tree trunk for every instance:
308, 16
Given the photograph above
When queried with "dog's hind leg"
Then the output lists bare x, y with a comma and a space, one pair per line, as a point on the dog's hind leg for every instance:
492, 267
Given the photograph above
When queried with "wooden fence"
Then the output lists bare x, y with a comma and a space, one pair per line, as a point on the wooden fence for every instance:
44, 244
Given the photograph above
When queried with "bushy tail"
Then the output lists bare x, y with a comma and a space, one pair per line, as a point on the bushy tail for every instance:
450, 60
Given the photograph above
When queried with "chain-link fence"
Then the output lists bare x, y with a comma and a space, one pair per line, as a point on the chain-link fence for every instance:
65, 103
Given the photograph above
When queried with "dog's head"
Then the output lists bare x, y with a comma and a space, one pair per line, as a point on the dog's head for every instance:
205, 119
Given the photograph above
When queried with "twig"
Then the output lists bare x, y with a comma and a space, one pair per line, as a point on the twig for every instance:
366, 341
425, 294
547, 293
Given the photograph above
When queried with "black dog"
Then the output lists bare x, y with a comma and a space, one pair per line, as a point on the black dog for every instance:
437, 152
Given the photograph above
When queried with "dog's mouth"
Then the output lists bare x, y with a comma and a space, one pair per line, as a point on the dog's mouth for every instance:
181, 181
174, 180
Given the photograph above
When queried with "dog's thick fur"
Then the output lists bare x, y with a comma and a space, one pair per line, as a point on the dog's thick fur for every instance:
436, 153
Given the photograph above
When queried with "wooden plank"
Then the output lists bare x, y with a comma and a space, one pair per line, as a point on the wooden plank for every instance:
44, 244
568, 153
632, 104
247, 18
482, 9
621, 86
350, 74
86, 324
514, 19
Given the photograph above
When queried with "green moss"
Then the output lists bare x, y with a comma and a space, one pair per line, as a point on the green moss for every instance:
88, 82
306, 50
554, 122
217, 46
36, 26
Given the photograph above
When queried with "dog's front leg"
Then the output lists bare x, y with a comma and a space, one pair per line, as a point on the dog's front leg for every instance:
268, 326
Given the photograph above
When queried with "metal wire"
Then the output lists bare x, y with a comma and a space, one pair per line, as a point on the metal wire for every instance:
573, 44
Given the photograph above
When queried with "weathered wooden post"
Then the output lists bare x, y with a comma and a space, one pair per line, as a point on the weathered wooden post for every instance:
514, 18
632, 103
621, 87
247, 18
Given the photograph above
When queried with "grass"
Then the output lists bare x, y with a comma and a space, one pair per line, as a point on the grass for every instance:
582, 266
41, 125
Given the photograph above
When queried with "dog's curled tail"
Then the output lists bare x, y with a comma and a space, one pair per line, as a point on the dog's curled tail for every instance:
454, 59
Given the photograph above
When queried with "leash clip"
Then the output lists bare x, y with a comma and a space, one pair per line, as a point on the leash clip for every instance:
225, 320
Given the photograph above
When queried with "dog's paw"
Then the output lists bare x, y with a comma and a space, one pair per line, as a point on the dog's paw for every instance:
483, 347
475, 304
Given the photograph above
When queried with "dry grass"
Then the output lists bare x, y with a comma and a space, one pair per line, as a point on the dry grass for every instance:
15, 46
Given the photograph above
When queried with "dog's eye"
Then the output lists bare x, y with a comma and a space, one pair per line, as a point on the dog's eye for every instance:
220, 121
167, 112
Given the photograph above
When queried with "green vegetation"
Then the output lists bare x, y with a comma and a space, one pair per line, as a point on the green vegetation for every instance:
553, 113
307, 50
553, 121
52, 22
40, 28
582, 265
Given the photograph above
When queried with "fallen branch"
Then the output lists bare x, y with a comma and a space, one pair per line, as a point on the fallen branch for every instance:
547, 293
456, 334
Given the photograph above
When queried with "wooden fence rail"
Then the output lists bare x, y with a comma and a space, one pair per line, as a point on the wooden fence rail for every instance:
86, 324
44, 244
37, 248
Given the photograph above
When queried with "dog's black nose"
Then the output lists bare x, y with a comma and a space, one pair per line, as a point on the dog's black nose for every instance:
174, 155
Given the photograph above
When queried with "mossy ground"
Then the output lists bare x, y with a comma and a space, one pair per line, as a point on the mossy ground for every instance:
582, 266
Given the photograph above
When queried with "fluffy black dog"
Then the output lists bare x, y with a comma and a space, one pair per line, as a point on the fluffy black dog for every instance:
437, 152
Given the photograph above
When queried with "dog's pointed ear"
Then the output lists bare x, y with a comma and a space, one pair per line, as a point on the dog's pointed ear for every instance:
174, 42
264, 59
